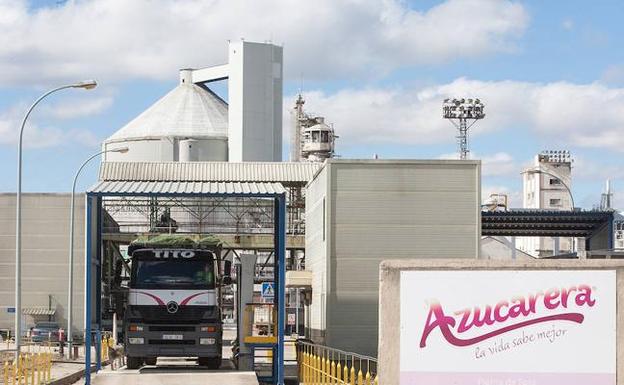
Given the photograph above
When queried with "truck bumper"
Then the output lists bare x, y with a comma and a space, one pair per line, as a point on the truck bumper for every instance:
158, 341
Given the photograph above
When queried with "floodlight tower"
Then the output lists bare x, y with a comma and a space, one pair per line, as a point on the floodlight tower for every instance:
466, 112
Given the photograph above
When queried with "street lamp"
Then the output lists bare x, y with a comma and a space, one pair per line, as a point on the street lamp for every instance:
70, 296
88, 84
559, 179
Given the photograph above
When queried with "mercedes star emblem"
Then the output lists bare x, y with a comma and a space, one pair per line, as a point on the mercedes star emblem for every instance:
172, 307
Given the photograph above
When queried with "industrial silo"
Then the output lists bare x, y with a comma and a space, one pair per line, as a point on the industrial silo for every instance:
190, 123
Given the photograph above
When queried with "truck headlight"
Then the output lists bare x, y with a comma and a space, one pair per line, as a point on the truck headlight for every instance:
209, 329
207, 341
136, 340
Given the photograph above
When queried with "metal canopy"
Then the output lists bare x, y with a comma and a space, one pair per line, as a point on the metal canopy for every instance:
257, 189
95, 217
283, 172
544, 223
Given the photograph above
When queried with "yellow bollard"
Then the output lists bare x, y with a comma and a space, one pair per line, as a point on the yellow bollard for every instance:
317, 369
38, 367
367, 378
360, 377
352, 375
345, 374
376, 380
332, 372
49, 363
33, 368
339, 372
306, 362
5, 372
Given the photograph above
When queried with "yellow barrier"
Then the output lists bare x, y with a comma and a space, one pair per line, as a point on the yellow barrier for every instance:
28, 369
321, 365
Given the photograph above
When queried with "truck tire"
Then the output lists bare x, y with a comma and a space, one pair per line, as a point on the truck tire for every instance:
212, 363
150, 360
134, 362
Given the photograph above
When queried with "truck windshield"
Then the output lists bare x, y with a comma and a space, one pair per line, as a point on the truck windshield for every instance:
173, 274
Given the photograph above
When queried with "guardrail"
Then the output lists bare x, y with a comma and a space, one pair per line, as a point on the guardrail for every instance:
28, 369
320, 364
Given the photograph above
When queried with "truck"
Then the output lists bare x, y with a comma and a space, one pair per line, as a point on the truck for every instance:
173, 304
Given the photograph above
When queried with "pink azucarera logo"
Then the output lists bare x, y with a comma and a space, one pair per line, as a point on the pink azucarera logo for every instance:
555, 304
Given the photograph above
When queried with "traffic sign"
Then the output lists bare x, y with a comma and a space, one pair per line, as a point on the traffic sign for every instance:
10, 310
267, 290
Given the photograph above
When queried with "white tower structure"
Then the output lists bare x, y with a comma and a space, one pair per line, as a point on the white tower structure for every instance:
191, 123
463, 113
312, 140
547, 186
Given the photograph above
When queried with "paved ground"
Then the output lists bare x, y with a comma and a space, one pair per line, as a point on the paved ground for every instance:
178, 371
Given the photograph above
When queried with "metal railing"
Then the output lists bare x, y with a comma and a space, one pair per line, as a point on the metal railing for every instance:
320, 364
28, 369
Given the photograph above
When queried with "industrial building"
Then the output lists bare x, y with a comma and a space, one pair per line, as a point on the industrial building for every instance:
45, 230
547, 186
360, 212
343, 216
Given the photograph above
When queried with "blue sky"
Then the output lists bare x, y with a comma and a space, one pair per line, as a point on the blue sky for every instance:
551, 74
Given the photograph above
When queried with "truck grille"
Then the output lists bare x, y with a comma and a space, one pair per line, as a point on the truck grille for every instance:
171, 328
185, 314
171, 342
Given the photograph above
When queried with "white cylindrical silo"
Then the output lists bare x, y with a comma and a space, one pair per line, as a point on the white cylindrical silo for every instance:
188, 150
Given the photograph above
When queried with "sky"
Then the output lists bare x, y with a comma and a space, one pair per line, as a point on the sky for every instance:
550, 73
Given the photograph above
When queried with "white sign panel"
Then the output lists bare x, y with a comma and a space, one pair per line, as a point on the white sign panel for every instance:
508, 327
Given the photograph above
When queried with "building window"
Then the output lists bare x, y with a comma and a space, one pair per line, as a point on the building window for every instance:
555, 181
555, 202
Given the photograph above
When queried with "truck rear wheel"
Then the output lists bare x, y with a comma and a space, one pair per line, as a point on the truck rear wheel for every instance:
210, 362
134, 362
150, 360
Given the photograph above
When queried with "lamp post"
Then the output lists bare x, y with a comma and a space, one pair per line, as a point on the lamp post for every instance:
559, 179
89, 84
70, 296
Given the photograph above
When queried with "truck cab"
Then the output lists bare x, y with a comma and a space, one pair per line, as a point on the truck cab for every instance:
173, 302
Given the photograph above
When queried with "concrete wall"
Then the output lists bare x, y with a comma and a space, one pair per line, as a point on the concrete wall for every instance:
45, 231
389, 306
374, 209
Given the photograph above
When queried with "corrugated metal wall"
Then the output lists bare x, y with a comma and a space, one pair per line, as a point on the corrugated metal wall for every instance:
384, 210
45, 230
316, 250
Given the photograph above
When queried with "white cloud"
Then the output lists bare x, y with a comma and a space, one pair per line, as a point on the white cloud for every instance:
584, 115
36, 136
567, 24
498, 164
75, 108
118, 39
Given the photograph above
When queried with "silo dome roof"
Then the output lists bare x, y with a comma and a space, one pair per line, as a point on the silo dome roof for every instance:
186, 111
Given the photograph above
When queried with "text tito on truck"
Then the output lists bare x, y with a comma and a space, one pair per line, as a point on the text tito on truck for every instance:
173, 305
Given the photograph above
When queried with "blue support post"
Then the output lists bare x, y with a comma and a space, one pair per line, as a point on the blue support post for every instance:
98, 287
280, 292
88, 256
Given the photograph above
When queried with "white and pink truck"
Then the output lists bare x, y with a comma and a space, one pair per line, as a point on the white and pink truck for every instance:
173, 300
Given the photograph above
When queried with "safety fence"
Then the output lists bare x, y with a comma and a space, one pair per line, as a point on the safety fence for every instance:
320, 364
28, 369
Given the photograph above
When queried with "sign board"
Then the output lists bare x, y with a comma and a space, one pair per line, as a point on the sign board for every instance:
292, 319
267, 290
10, 310
508, 327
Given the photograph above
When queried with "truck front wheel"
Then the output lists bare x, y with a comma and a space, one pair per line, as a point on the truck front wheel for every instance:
134, 362
210, 362
150, 360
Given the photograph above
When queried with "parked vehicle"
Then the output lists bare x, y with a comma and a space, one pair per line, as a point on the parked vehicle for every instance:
173, 300
45, 331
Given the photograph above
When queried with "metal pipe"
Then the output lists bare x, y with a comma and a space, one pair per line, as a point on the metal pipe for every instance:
70, 295
18, 207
